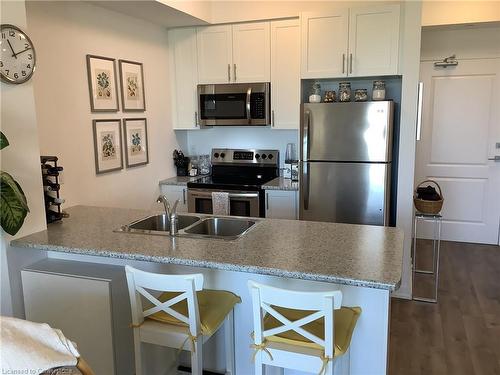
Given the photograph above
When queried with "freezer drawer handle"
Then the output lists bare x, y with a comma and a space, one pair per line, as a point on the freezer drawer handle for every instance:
305, 176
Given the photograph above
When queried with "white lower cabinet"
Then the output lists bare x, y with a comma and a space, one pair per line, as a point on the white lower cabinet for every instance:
89, 304
174, 192
281, 204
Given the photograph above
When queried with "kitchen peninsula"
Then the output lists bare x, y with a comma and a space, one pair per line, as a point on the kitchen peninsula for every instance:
364, 262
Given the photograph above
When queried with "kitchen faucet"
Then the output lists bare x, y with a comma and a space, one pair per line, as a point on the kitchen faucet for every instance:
171, 213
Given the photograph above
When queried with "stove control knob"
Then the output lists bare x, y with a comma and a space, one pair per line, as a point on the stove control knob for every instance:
270, 156
222, 154
216, 155
264, 156
257, 156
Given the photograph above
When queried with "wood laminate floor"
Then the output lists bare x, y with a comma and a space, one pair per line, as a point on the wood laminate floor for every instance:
460, 335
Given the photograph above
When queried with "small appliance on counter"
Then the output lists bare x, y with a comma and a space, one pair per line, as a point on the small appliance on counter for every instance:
240, 173
51, 187
291, 163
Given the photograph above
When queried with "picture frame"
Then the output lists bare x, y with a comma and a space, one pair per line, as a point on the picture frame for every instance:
132, 86
135, 132
107, 145
103, 90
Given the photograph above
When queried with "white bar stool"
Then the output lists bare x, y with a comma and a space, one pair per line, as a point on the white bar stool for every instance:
183, 317
300, 330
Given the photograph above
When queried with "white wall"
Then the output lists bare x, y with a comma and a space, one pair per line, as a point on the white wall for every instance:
203, 140
457, 12
64, 33
22, 157
465, 42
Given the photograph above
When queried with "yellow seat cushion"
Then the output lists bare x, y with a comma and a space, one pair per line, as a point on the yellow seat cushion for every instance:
213, 305
345, 321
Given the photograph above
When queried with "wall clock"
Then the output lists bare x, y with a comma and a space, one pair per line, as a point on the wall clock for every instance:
17, 60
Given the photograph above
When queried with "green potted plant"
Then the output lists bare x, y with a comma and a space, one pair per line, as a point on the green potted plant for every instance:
13, 203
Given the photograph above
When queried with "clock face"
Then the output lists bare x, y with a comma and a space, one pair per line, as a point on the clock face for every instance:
17, 60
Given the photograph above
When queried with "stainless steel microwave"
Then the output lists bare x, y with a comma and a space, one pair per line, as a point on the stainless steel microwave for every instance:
236, 104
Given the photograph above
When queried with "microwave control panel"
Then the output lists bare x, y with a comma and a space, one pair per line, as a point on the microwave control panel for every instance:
258, 105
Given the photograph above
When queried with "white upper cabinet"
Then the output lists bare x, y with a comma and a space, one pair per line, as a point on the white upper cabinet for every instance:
234, 53
214, 54
184, 77
374, 40
360, 41
285, 74
324, 44
251, 50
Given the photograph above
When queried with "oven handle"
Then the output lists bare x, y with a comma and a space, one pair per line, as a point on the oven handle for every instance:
249, 94
231, 195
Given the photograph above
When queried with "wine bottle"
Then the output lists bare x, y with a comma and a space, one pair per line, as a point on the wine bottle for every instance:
53, 216
50, 186
53, 200
50, 170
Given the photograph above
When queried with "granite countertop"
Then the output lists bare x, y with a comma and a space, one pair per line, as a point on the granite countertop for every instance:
178, 180
359, 255
280, 183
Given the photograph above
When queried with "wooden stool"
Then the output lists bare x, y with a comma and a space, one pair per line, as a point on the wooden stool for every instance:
299, 330
183, 317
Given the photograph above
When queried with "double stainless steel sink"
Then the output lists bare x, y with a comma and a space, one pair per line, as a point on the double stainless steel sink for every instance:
227, 228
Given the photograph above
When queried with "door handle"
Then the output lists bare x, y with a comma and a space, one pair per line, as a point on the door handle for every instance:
195, 122
249, 94
305, 136
184, 196
272, 118
229, 72
267, 201
350, 63
234, 71
343, 63
419, 109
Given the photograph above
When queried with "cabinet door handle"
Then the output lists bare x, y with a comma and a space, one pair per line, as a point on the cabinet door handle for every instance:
196, 119
343, 63
229, 72
184, 195
267, 201
234, 71
272, 118
350, 63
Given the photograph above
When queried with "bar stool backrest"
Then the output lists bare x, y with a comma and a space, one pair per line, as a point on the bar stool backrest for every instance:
139, 282
321, 304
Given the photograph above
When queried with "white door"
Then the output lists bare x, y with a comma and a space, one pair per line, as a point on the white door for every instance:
460, 137
324, 44
285, 74
374, 40
214, 54
251, 52
184, 72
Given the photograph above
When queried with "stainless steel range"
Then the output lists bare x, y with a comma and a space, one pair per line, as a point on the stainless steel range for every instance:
241, 173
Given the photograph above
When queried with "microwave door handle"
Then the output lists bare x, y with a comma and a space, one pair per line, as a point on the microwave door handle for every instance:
249, 94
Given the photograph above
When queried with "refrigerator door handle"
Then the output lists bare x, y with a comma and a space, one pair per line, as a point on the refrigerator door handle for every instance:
306, 182
305, 136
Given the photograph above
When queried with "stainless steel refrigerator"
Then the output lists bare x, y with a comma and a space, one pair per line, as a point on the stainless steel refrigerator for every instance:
345, 162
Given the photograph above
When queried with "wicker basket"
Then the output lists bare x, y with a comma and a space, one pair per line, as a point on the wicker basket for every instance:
428, 207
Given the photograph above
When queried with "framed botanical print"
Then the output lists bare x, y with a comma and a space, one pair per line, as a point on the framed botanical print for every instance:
132, 83
136, 141
102, 84
107, 146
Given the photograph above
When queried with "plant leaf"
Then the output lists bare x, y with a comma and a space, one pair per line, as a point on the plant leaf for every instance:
13, 204
3, 141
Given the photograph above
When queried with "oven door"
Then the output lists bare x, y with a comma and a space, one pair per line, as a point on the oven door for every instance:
234, 104
241, 203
